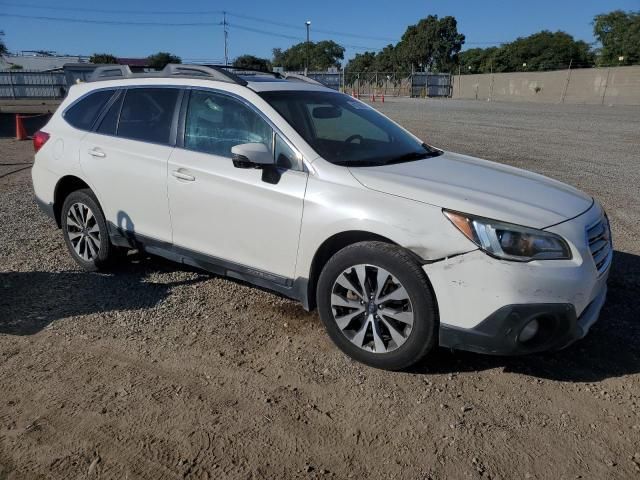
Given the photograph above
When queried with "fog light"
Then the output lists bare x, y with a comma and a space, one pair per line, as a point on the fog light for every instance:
529, 331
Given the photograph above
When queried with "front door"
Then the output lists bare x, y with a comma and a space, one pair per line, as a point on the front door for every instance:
234, 214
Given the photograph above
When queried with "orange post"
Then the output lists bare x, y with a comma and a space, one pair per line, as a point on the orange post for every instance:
21, 132
382, 98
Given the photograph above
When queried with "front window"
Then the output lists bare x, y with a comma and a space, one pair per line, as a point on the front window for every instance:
216, 123
347, 132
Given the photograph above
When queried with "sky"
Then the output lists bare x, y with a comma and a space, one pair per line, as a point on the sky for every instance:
258, 26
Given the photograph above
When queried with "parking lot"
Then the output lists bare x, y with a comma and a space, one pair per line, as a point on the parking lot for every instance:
157, 371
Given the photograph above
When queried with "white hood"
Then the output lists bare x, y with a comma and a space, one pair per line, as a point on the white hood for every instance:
479, 187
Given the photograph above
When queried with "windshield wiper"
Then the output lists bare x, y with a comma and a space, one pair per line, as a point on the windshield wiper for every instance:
358, 163
411, 156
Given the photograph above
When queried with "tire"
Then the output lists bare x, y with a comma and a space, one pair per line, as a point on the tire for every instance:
355, 321
85, 231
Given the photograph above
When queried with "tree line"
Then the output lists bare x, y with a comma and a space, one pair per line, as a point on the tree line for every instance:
435, 45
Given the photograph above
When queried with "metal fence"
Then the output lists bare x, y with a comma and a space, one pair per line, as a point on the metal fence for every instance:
29, 84
431, 85
53, 85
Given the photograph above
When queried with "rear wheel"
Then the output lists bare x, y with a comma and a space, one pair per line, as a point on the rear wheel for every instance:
377, 305
85, 231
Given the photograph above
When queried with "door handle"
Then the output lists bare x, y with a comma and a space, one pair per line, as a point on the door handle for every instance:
183, 176
96, 152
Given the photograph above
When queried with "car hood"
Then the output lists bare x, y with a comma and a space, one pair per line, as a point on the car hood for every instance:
479, 187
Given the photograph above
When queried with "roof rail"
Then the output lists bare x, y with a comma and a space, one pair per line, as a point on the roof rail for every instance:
222, 73
218, 73
110, 72
302, 78
248, 71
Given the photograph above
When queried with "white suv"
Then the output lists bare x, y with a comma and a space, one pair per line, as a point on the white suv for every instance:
294, 187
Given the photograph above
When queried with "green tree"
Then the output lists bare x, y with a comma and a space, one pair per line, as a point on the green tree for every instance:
162, 59
103, 59
619, 34
389, 60
432, 43
544, 50
361, 63
252, 63
322, 55
477, 60
3, 47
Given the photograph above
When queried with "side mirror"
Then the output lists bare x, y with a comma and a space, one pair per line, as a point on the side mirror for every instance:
251, 155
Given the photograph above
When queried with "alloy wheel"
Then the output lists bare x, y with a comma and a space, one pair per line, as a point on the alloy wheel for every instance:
372, 308
83, 231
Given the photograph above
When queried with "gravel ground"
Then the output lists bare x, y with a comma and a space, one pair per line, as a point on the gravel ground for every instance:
156, 371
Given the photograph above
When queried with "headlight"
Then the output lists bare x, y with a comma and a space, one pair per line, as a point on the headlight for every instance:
509, 241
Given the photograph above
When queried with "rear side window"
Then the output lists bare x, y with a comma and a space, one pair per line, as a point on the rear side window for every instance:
83, 113
147, 114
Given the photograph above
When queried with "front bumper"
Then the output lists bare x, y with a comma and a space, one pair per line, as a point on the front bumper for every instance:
484, 303
499, 334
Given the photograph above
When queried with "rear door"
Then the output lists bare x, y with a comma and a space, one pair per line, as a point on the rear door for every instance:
249, 217
125, 159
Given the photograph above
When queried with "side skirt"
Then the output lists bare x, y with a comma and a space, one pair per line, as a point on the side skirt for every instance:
295, 289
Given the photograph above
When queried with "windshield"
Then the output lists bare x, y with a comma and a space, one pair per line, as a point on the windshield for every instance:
345, 131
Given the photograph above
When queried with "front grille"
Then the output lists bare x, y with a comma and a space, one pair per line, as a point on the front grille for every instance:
599, 240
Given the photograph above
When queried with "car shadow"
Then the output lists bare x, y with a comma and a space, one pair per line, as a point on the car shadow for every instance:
611, 349
30, 301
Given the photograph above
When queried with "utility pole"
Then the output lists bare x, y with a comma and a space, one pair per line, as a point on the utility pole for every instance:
308, 24
226, 38
566, 84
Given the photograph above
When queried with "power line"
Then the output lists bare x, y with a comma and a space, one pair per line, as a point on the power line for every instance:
194, 12
223, 23
264, 32
101, 10
112, 22
170, 24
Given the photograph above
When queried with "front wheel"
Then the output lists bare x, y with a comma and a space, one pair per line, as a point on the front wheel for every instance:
85, 231
377, 305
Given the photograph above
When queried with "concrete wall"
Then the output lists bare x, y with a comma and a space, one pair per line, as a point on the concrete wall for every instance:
608, 86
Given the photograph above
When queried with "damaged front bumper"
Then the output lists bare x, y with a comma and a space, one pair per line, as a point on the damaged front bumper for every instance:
485, 303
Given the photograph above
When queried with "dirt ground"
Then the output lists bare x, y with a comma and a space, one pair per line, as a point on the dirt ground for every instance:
154, 371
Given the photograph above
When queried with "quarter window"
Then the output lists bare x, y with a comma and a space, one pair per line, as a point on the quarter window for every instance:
84, 112
109, 123
147, 114
285, 156
215, 123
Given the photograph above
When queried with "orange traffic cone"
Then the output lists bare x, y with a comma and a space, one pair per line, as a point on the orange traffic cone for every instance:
21, 132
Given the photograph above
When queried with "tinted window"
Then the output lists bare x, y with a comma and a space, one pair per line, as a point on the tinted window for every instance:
109, 123
215, 123
82, 114
147, 114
